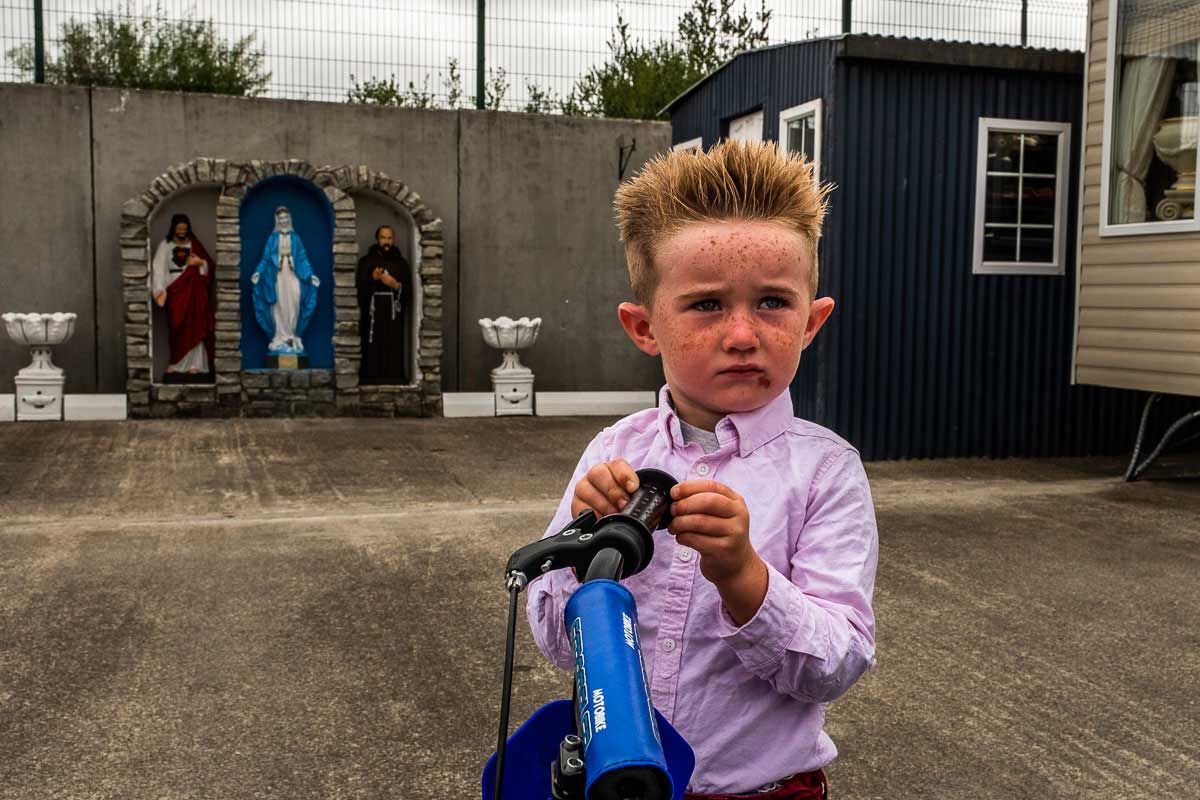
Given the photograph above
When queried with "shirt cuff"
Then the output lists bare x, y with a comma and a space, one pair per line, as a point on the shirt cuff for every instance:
784, 622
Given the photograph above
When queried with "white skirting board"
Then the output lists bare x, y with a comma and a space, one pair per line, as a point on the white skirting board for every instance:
553, 404
605, 404
468, 404
454, 404
94, 406
75, 407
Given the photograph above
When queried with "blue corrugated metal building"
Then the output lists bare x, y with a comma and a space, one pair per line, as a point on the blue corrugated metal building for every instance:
939, 346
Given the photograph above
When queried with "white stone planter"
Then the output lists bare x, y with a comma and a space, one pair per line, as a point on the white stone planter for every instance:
40, 385
512, 381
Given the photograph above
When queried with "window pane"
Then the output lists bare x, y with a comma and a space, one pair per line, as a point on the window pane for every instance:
801, 135
1004, 152
1041, 153
1154, 129
747, 128
1037, 245
1037, 202
999, 244
1001, 202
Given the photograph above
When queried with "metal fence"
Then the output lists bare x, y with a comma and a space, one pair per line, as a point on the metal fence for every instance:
317, 49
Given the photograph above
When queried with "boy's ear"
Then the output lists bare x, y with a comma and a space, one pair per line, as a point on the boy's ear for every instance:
818, 312
636, 322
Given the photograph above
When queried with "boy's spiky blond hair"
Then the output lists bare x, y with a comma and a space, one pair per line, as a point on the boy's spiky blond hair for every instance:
733, 180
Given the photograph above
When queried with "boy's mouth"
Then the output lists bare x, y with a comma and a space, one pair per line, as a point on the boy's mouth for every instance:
741, 370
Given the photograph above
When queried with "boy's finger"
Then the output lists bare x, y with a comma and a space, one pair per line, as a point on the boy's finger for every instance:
625, 475
594, 499
717, 505
699, 486
602, 478
700, 524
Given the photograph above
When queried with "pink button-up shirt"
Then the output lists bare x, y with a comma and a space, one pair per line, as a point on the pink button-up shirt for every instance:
750, 700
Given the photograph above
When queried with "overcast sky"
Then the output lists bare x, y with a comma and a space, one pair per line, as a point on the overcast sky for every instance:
314, 46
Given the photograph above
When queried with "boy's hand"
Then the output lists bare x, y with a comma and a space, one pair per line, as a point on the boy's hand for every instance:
605, 488
713, 520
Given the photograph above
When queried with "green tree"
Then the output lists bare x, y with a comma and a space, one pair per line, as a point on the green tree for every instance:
151, 53
386, 92
639, 79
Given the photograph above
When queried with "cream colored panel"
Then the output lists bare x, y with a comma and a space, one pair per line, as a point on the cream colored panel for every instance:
1131, 339
1145, 381
1144, 320
1139, 249
1139, 297
1142, 274
1141, 360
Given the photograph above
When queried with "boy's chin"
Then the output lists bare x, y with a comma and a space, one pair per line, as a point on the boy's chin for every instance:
736, 400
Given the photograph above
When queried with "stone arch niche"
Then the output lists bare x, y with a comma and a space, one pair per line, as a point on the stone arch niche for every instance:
375, 209
250, 392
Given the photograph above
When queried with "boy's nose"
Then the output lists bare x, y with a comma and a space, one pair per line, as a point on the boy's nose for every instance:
740, 335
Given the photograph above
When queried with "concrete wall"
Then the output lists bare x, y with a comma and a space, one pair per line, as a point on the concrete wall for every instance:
525, 201
538, 238
46, 223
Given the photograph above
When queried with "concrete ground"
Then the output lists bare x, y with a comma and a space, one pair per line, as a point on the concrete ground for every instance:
314, 609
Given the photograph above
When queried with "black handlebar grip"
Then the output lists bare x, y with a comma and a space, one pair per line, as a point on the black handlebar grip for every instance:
651, 503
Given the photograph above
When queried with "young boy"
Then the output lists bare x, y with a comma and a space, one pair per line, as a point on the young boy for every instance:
756, 610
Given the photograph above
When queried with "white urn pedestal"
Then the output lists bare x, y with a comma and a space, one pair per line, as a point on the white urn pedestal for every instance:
39, 386
512, 381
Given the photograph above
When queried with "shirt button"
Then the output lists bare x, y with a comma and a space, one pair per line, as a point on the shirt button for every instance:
685, 554
668, 645
702, 469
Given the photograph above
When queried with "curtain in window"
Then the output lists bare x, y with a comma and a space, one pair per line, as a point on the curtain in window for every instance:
1145, 89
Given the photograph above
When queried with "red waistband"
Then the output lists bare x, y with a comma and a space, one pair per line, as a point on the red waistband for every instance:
802, 786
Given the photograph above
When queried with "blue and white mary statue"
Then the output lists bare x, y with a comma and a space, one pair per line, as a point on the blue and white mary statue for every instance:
284, 288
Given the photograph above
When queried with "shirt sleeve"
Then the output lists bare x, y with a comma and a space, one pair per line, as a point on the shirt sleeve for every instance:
814, 634
158, 270
549, 593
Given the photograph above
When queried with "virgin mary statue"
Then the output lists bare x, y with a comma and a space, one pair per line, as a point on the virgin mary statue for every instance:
284, 288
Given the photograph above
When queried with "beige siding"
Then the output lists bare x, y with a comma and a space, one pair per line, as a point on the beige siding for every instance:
1138, 324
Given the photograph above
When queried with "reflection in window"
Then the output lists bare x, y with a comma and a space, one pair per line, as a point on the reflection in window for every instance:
802, 135
1020, 197
1155, 111
800, 132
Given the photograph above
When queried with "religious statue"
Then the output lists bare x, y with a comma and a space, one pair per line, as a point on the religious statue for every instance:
284, 289
384, 290
181, 276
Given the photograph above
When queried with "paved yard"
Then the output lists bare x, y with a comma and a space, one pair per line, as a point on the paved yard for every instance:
314, 609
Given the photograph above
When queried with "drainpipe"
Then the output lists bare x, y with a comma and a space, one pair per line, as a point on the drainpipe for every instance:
39, 48
480, 100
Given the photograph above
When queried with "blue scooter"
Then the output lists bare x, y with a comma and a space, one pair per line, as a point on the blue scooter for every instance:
608, 742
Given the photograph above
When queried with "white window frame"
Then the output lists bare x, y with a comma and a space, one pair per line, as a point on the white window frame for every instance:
1128, 228
696, 144
815, 108
1058, 266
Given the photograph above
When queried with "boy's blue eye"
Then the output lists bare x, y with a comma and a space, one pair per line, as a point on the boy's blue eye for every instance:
774, 302
707, 305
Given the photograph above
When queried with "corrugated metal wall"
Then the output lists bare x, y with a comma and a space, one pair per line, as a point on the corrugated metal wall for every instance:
921, 357
772, 79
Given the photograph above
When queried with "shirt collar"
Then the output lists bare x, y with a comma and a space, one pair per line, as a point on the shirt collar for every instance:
747, 430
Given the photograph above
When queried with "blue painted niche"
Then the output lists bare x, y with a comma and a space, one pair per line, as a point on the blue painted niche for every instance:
312, 219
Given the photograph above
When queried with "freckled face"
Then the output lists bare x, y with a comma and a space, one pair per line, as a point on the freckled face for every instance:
731, 314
